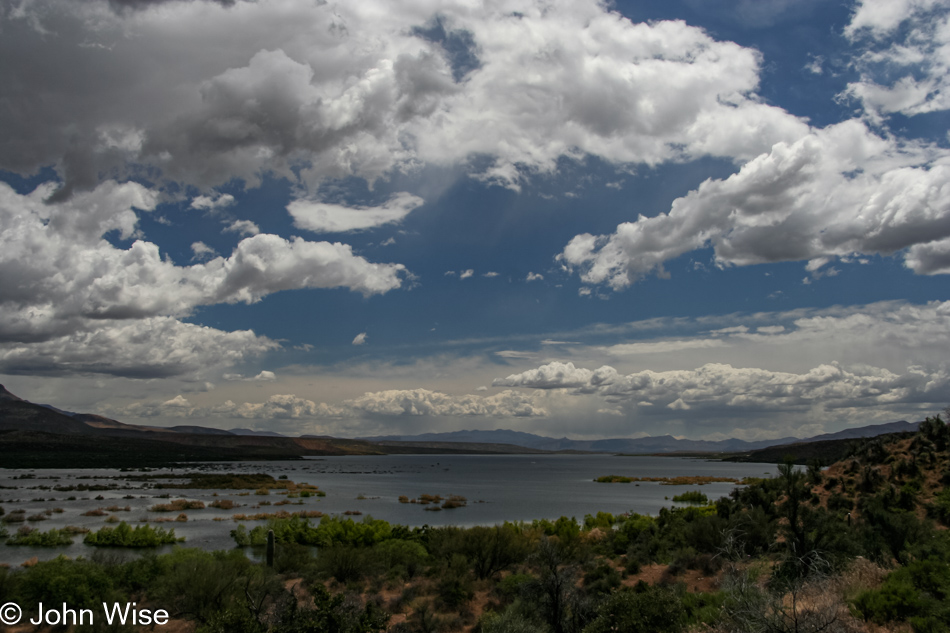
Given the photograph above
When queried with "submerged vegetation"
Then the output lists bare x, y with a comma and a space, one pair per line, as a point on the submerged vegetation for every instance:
260, 483
859, 546
684, 480
27, 535
123, 535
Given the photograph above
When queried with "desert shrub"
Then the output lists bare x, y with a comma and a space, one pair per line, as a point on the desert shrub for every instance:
552, 593
511, 620
331, 613
940, 507
79, 583
709, 564
344, 562
918, 593
406, 555
654, 609
490, 550
602, 520
123, 535
629, 531
936, 431
454, 586
802, 602
632, 563
291, 557
200, 584
8, 585
840, 503
888, 531
701, 608
602, 579
509, 587
565, 529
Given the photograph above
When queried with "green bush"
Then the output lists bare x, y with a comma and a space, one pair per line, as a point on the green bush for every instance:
291, 558
344, 562
330, 613
454, 585
80, 583
330, 531
123, 535
918, 593
490, 550
654, 609
839, 503
602, 579
402, 554
602, 520
693, 497
511, 620
940, 508
509, 587
200, 584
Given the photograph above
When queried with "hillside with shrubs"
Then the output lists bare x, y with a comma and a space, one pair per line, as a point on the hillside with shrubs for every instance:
859, 546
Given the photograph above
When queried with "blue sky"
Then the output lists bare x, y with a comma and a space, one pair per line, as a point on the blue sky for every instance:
707, 219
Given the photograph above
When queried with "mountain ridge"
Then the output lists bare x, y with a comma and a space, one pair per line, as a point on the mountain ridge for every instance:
650, 444
17, 414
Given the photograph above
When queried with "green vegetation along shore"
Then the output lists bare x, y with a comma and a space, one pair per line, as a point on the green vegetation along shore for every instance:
861, 546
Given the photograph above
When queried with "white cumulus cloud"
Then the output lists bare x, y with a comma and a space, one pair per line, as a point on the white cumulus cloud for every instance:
423, 402
313, 91
322, 217
70, 298
722, 385
837, 191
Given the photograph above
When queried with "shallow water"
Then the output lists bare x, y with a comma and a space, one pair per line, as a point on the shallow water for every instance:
498, 488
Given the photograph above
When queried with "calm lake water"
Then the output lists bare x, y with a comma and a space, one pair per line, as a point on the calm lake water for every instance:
498, 488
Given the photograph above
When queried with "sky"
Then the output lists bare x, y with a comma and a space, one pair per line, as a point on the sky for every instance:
702, 218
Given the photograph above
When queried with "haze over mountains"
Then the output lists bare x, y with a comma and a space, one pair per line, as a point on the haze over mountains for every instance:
19, 415
657, 444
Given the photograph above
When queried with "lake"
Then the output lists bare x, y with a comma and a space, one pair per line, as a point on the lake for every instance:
498, 488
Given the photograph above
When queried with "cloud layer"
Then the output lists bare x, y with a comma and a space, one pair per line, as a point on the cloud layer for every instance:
905, 66
714, 385
70, 299
399, 403
837, 191
203, 93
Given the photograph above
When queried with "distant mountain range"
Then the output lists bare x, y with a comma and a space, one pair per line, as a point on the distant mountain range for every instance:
42, 435
656, 444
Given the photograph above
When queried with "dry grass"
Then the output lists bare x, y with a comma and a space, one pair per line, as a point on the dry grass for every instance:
280, 514
177, 506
